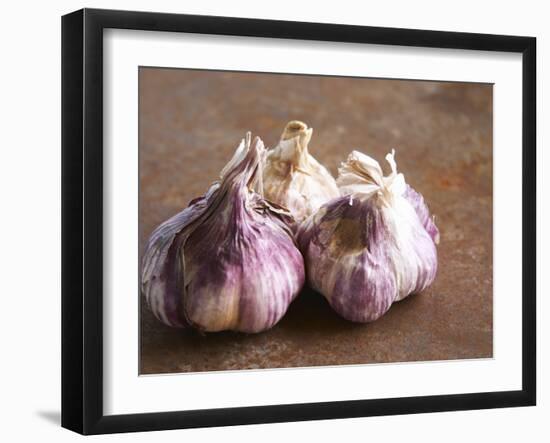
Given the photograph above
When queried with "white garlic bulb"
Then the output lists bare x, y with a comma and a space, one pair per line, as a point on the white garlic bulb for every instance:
293, 178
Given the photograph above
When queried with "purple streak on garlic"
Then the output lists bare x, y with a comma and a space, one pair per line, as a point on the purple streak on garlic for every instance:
228, 261
417, 201
368, 248
293, 178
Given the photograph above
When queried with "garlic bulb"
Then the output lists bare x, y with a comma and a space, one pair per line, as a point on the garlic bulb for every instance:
293, 178
372, 246
228, 261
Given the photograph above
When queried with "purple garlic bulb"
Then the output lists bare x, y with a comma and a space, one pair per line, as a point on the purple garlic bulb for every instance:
372, 246
229, 260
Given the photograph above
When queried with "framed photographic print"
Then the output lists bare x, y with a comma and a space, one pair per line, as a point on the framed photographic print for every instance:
269, 221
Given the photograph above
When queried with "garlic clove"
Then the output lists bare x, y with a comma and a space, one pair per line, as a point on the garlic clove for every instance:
419, 205
368, 248
160, 271
295, 179
228, 261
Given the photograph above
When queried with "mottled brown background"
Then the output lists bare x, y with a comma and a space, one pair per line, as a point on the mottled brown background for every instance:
191, 122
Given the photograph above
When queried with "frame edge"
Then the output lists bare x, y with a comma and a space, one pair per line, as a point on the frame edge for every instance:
529, 221
72, 222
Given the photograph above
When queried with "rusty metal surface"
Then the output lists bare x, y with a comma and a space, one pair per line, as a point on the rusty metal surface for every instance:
190, 124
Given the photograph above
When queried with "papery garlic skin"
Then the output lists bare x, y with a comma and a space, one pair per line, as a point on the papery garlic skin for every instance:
417, 201
161, 267
295, 179
228, 261
368, 248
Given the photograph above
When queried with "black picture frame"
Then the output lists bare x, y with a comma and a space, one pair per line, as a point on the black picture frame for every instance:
82, 220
